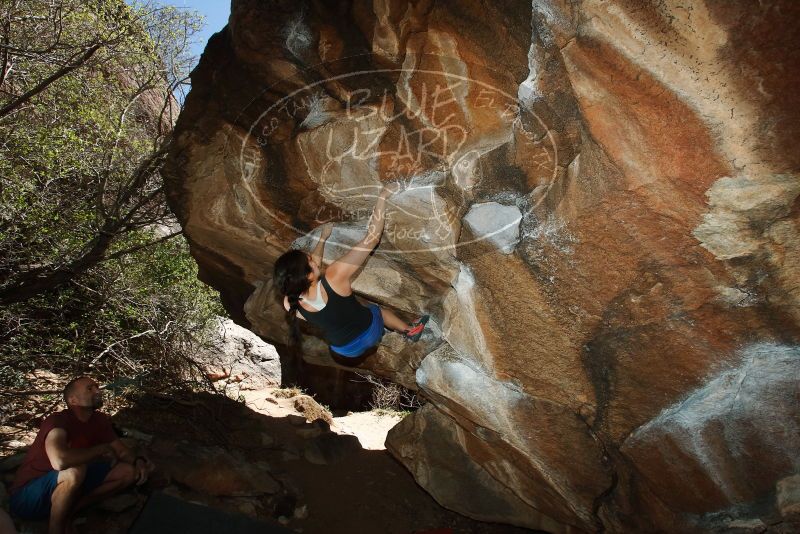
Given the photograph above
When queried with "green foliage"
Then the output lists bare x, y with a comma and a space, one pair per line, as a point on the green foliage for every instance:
69, 156
153, 291
79, 162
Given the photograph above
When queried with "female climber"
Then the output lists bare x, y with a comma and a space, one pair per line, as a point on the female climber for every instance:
327, 300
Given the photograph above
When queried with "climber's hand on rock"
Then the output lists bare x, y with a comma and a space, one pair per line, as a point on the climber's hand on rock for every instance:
327, 230
391, 188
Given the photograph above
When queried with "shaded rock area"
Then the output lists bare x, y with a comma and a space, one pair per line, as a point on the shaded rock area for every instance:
624, 357
240, 361
282, 468
339, 389
735, 412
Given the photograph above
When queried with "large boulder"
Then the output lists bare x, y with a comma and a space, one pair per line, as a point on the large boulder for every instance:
601, 217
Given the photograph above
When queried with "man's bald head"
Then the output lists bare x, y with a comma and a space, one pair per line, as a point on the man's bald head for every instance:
83, 392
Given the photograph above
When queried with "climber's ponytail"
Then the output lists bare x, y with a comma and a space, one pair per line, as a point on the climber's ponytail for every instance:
294, 323
291, 279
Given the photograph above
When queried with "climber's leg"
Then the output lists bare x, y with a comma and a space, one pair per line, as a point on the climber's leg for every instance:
415, 332
411, 331
392, 321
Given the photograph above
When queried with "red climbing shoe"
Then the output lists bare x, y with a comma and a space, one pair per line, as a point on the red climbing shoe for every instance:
415, 332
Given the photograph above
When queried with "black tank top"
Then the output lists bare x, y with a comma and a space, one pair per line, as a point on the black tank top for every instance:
342, 319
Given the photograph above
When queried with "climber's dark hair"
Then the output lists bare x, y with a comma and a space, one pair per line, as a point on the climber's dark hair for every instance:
291, 279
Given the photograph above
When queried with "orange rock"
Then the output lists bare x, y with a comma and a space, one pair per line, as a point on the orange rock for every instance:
650, 149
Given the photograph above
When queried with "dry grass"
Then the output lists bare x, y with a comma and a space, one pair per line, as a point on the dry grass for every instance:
288, 393
390, 397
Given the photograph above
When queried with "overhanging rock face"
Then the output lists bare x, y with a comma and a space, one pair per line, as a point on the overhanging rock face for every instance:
602, 220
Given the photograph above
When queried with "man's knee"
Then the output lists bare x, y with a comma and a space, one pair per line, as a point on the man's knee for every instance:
124, 473
72, 476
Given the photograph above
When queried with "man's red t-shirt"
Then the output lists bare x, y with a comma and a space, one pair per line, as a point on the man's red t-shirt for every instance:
80, 435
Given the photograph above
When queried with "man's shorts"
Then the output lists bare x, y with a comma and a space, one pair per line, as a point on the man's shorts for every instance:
32, 501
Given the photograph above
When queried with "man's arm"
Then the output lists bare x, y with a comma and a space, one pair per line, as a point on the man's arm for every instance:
62, 457
319, 251
124, 453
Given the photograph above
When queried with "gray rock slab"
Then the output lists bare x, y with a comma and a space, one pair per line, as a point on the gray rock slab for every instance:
496, 223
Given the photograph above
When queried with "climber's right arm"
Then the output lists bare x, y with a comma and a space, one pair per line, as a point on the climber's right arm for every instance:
345, 267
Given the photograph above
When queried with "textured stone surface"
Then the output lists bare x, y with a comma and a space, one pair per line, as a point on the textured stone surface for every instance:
560, 473
213, 471
495, 222
311, 409
446, 460
789, 496
241, 357
731, 437
651, 151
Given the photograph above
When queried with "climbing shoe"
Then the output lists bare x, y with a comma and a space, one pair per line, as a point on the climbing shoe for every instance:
415, 332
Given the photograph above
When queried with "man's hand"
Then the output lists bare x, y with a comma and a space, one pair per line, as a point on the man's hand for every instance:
106, 453
143, 467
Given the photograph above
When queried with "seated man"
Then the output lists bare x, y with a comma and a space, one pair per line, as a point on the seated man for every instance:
76, 459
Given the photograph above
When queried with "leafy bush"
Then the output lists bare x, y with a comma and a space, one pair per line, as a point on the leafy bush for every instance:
142, 316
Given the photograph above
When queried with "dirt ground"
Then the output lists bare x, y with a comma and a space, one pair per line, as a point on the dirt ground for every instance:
329, 481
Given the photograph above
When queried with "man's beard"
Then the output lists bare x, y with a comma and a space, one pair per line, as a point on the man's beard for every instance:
97, 401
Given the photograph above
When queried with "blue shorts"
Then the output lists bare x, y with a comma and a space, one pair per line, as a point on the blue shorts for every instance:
32, 501
367, 339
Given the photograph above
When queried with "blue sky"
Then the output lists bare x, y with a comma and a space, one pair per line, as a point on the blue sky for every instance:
216, 17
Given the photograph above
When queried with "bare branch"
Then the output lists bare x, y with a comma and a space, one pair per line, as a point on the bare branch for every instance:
110, 347
44, 84
6, 69
140, 247
30, 393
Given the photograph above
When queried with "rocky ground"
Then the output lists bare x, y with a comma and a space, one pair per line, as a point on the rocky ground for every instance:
277, 455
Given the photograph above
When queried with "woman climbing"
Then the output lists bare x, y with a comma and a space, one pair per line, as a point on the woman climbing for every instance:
327, 300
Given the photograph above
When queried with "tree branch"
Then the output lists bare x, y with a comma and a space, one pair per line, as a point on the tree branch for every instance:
108, 348
44, 84
140, 247
6, 54
30, 392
